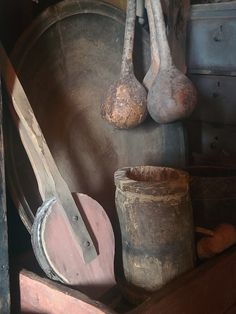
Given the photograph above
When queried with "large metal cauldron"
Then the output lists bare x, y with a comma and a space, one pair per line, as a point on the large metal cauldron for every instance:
66, 60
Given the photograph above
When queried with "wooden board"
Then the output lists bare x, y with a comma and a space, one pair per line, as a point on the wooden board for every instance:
211, 144
63, 262
4, 264
216, 101
38, 295
232, 310
209, 289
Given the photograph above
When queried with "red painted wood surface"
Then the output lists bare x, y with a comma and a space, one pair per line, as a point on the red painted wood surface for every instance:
209, 289
94, 278
38, 295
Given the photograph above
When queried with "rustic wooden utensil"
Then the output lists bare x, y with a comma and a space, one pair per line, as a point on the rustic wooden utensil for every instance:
172, 95
50, 183
153, 206
64, 263
67, 104
89, 251
125, 105
155, 60
215, 241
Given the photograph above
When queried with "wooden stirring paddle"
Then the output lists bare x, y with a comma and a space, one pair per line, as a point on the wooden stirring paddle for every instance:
172, 95
65, 222
125, 105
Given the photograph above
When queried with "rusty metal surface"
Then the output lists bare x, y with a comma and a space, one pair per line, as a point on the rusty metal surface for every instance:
66, 61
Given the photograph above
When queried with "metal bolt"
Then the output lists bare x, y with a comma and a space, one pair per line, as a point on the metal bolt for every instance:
4, 268
87, 244
218, 36
75, 218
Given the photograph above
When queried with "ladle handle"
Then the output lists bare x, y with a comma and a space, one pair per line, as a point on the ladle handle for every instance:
49, 179
161, 38
127, 57
155, 60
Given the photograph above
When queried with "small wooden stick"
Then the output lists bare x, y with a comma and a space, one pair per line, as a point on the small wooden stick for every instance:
224, 236
125, 105
204, 231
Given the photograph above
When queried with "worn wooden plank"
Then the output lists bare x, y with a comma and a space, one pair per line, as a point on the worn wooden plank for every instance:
216, 101
209, 289
39, 295
211, 144
232, 310
4, 264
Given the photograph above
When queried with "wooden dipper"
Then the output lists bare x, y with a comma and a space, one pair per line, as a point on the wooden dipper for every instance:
125, 105
172, 95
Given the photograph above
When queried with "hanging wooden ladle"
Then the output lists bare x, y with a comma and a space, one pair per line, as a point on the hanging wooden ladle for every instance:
172, 95
125, 105
71, 236
155, 60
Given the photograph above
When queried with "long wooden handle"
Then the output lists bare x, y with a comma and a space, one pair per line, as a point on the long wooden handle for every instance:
49, 179
162, 41
155, 61
127, 57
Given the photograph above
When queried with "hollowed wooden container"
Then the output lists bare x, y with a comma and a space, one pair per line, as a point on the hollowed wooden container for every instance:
155, 215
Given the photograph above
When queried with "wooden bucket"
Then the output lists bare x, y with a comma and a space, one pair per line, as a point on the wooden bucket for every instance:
155, 216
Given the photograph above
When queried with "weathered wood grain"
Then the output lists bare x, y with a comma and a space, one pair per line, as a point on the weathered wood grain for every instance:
52, 185
172, 95
177, 16
232, 310
209, 289
39, 295
155, 215
50, 182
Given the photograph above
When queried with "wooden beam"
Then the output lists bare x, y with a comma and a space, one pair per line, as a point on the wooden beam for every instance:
232, 310
210, 288
40, 295
4, 264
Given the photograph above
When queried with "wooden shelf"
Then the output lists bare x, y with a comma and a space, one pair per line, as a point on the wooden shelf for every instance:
209, 289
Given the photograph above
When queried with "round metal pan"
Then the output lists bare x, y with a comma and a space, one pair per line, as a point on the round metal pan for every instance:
66, 60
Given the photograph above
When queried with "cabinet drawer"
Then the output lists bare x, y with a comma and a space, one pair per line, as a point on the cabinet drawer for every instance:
212, 39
